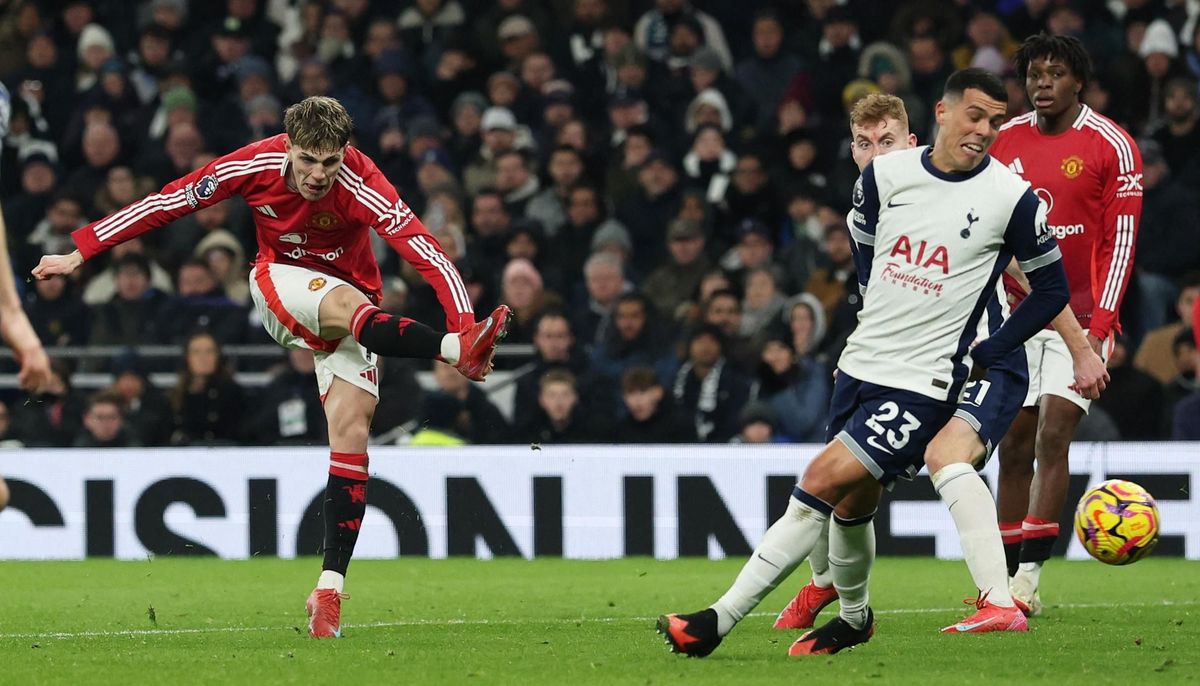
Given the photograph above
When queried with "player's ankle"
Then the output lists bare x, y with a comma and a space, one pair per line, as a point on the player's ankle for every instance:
331, 579
451, 348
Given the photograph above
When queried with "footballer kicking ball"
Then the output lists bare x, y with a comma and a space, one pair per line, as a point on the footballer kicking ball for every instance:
1117, 522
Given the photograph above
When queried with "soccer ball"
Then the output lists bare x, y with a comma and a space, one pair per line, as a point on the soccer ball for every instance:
1117, 522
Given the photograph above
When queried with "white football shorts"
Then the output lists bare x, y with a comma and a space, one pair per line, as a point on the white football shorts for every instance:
288, 300
1051, 371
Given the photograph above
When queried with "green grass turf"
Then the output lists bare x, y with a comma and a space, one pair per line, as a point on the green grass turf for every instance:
565, 622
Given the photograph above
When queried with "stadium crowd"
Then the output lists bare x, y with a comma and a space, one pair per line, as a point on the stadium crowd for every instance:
658, 188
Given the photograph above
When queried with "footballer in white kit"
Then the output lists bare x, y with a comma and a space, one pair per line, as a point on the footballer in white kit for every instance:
935, 228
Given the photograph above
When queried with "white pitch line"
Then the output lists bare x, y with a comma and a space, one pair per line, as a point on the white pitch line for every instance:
508, 622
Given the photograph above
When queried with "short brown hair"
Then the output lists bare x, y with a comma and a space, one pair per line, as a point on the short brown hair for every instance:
318, 123
557, 375
876, 107
637, 379
106, 397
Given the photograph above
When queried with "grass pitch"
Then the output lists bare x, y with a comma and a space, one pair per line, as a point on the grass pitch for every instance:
185, 621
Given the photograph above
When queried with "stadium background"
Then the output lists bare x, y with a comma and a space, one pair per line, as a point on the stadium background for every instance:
692, 156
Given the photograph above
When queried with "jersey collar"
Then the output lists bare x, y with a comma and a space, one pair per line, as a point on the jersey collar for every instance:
952, 176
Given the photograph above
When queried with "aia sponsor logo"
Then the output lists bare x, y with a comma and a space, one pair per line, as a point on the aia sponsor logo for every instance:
907, 258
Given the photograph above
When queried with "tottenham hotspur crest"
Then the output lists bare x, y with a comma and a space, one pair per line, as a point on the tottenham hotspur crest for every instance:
971, 219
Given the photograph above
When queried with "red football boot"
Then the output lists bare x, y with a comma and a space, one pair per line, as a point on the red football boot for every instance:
989, 617
478, 342
802, 612
324, 609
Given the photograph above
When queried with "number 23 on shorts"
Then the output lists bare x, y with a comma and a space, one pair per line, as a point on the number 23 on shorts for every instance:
889, 414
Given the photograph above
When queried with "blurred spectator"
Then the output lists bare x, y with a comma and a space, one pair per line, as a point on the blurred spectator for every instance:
836, 285
647, 213
522, 289
400, 394
1178, 133
635, 339
201, 304
137, 314
572, 245
672, 284
207, 402
653, 29
499, 128
52, 418
752, 196
39, 177
757, 425
57, 314
753, 248
474, 418
554, 348
930, 69
1182, 384
650, 413
796, 387
120, 189
288, 410
52, 235
104, 424
762, 302
708, 389
709, 164
804, 318
549, 206
515, 181
102, 287
837, 60
427, 25
605, 282
101, 150
765, 74
226, 260
559, 418
628, 157
1154, 355
95, 47
147, 412
149, 62
1133, 398
439, 422
1166, 245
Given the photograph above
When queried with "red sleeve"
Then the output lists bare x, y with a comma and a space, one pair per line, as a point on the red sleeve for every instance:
1112, 254
397, 224
208, 185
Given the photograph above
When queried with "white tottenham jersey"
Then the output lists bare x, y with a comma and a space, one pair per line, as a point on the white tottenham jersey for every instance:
929, 247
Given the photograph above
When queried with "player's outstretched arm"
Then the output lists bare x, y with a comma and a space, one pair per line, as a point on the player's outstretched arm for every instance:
1091, 374
16, 329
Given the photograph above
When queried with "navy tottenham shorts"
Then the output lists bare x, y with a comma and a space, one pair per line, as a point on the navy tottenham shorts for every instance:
887, 429
991, 404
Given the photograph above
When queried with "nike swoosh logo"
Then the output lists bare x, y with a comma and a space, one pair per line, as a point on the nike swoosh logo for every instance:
874, 443
898, 204
973, 625
768, 561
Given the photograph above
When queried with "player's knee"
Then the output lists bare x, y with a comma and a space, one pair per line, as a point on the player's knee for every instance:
3, 494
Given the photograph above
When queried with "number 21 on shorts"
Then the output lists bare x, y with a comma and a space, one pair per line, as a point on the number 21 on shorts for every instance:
889, 413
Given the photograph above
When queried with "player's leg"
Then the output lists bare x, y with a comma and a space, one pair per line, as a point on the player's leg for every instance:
950, 457
1059, 418
832, 473
3, 494
1016, 477
1017, 452
855, 511
346, 311
348, 381
1061, 410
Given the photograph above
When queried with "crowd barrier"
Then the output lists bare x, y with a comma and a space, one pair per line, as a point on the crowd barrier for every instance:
584, 502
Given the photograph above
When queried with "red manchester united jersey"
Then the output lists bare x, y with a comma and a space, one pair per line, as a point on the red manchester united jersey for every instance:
329, 235
1090, 178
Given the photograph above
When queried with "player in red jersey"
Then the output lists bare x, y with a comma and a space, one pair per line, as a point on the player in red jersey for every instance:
316, 285
1088, 171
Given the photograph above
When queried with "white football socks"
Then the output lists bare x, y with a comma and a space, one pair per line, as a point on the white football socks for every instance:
818, 559
851, 555
974, 512
1030, 573
784, 546
331, 579
451, 348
